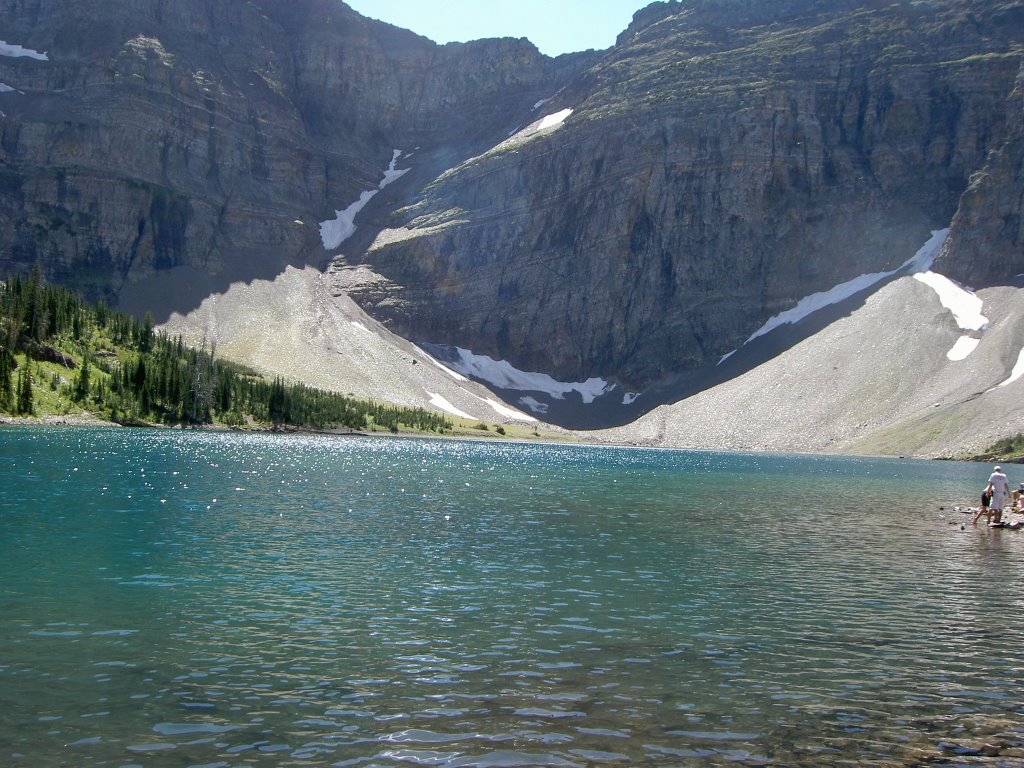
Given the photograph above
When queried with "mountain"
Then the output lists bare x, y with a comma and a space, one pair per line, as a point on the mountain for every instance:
595, 236
192, 143
723, 161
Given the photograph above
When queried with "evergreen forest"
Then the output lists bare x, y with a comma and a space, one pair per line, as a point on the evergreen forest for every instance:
59, 355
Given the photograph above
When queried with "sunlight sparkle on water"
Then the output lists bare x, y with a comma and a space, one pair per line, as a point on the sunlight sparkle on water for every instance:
205, 598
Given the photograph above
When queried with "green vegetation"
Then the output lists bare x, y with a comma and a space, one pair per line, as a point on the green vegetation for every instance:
1007, 450
59, 356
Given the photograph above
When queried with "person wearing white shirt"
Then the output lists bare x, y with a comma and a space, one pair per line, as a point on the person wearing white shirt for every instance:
1000, 489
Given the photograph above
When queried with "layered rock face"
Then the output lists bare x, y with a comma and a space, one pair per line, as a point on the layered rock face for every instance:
986, 246
633, 214
203, 140
724, 160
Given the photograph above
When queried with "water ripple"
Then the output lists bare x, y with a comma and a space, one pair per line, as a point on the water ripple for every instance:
208, 599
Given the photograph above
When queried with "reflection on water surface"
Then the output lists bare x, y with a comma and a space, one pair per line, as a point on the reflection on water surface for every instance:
202, 599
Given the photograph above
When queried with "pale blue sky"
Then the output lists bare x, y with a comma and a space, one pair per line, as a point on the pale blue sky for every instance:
554, 26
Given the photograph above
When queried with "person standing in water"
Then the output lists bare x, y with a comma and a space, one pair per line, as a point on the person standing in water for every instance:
999, 487
986, 497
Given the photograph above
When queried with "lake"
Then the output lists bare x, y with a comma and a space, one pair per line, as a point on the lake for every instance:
175, 598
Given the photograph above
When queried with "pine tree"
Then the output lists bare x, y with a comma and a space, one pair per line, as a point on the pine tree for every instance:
39, 318
146, 334
82, 381
26, 406
139, 377
6, 381
277, 404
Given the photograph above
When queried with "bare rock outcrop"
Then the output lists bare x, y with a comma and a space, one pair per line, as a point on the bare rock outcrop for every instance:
724, 160
631, 215
197, 142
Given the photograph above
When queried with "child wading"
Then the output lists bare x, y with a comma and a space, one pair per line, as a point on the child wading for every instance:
986, 499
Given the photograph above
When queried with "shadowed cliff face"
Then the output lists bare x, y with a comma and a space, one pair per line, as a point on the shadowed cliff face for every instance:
723, 161
633, 214
986, 246
191, 143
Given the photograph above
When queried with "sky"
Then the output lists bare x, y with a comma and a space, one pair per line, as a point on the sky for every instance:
554, 26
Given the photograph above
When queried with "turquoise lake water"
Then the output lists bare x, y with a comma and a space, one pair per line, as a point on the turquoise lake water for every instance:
196, 599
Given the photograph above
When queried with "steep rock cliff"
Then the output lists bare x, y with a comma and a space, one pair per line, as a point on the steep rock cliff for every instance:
724, 160
986, 246
195, 142
634, 214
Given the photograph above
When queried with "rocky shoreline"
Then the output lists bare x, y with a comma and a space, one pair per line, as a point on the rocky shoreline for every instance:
78, 420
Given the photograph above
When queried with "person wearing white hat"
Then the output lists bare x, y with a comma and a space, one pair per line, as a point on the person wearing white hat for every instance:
999, 486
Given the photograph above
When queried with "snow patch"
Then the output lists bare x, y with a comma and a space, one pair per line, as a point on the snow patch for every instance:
391, 174
541, 103
630, 397
334, 232
963, 348
454, 374
501, 374
509, 413
1017, 372
534, 405
919, 262
16, 51
965, 306
924, 258
546, 124
360, 326
808, 305
517, 138
553, 120
440, 402
5, 88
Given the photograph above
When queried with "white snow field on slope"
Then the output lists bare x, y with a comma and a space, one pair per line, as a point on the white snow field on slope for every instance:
922, 260
501, 374
17, 51
334, 232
